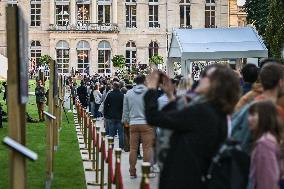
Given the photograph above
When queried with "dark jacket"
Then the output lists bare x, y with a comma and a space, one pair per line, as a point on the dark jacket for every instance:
199, 130
113, 105
40, 94
83, 95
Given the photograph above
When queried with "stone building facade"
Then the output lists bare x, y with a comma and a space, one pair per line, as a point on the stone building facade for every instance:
238, 15
86, 34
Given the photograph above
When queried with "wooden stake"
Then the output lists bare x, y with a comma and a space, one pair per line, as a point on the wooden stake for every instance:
16, 117
49, 130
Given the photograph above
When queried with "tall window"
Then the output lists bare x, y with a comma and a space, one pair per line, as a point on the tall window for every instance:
130, 13
83, 12
153, 13
62, 12
104, 62
210, 14
153, 49
184, 11
83, 53
130, 53
35, 12
62, 57
35, 51
104, 11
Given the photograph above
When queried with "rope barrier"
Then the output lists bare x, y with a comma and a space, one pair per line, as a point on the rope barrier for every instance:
85, 128
145, 175
117, 179
109, 160
103, 148
103, 134
97, 153
96, 147
94, 143
90, 123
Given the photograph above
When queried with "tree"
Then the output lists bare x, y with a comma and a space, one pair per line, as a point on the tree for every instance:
257, 11
44, 60
118, 61
274, 34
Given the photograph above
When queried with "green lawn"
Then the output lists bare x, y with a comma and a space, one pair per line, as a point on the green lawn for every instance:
68, 170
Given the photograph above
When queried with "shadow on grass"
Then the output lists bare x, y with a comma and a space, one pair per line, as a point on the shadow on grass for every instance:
68, 169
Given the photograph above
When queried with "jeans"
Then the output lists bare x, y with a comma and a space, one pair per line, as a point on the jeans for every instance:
96, 110
92, 108
114, 127
146, 133
106, 125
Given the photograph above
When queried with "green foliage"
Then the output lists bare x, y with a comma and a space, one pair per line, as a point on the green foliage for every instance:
118, 61
274, 34
156, 59
44, 60
257, 14
267, 16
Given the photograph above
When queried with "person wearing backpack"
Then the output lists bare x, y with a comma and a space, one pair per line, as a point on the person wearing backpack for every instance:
198, 129
266, 170
272, 80
97, 100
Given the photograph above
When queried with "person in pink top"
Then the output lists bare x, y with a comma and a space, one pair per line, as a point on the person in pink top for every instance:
267, 157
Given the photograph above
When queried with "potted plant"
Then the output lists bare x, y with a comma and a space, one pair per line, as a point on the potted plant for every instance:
118, 61
156, 60
44, 60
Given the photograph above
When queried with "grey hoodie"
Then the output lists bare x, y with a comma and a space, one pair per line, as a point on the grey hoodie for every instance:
133, 106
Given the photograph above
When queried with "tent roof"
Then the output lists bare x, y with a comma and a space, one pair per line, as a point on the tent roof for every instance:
217, 43
4, 67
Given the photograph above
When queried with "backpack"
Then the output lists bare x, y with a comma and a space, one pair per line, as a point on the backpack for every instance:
240, 128
229, 168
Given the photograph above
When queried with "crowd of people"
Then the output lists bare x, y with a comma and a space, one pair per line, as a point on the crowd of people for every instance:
183, 126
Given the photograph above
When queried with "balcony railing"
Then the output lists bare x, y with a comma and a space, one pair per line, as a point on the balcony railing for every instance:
183, 26
210, 26
86, 27
241, 9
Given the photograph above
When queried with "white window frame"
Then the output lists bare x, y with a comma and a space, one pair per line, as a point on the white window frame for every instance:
131, 19
104, 3
83, 3
62, 21
152, 48
210, 4
62, 47
104, 67
35, 3
154, 23
35, 48
83, 47
183, 5
131, 48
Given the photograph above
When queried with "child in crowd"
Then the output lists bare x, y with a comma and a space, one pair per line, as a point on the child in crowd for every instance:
267, 157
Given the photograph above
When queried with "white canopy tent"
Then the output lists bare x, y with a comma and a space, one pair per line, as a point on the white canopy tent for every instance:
213, 44
3, 67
